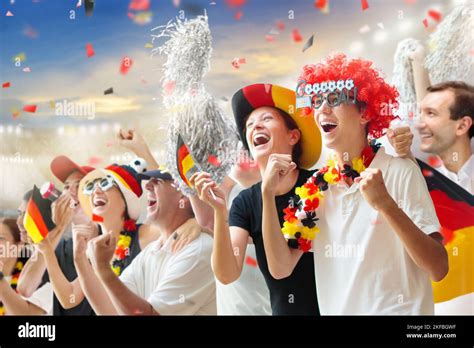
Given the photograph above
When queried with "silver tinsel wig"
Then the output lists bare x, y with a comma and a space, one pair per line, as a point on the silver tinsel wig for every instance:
194, 113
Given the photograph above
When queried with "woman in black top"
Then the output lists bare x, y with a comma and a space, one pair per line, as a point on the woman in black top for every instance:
268, 124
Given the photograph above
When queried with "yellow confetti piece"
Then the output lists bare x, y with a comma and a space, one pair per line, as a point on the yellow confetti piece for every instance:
148, 45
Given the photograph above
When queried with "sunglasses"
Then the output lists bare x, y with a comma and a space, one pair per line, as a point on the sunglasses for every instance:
104, 184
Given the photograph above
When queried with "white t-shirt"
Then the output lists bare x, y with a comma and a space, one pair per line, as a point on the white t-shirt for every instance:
360, 263
462, 305
249, 294
179, 283
464, 177
43, 298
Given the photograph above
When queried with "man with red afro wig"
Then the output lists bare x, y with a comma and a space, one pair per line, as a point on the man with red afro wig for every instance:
377, 242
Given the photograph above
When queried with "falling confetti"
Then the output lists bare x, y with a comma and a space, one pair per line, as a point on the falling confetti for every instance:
308, 43
435, 161
125, 65
30, 32
280, 25
30, 108
89, 50
27, 69
238, 15
97, 218
213, 160
168, 87
436, 15
6, 85
251, 261
9, 14
15, 113
364, 4
237, 61
139, 5
235, 3
94, 161
109, 91
296, 35
269, 38
427, 173
320, 4
148, 45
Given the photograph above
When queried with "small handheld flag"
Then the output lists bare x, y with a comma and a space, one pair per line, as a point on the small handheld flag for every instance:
37, 221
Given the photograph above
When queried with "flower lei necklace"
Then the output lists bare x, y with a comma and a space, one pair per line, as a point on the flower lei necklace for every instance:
14, 280
299, 226
122, 250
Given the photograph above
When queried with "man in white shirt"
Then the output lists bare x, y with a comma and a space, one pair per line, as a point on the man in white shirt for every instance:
160, 281
446, 129
378, 243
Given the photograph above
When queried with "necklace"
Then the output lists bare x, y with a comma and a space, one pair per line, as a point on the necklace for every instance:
299, 226
14, 280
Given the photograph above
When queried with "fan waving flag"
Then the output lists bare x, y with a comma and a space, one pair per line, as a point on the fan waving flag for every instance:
37, 221
455, 210
185, 162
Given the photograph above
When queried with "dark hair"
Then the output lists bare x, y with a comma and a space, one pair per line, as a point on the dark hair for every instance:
463, 104
290, 124
13, 227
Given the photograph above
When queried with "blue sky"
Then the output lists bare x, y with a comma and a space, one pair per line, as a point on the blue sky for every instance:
60, 70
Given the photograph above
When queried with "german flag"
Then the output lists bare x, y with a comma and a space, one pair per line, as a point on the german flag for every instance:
455, 209
186, 164
37, 220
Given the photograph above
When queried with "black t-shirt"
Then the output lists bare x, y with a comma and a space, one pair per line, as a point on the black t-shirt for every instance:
296, 294
65, 255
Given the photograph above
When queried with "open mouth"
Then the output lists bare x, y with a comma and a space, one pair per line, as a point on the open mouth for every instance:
151, 202
260, 139
328, 126
425, 135
99, 202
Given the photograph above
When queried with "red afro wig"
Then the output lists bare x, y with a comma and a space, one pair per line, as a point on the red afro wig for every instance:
379, 97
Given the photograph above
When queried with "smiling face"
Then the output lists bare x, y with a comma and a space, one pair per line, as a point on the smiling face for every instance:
107, 203
340, 125
7, 238
267, 133
163, 200
19, 222
436, 128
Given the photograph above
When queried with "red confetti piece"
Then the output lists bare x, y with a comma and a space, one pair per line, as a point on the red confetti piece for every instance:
427, 172
436, 15
235, 3
320, 4
6, 85
269, 38
296, 35
237, 61
169, 87
238, 15
30, 108
375, 222
435, 161
97, 218
94, 161
364, 4
125, 65
306, 111
425, 23
251, 261
211, 159
139, 5
89, 50
280, 25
